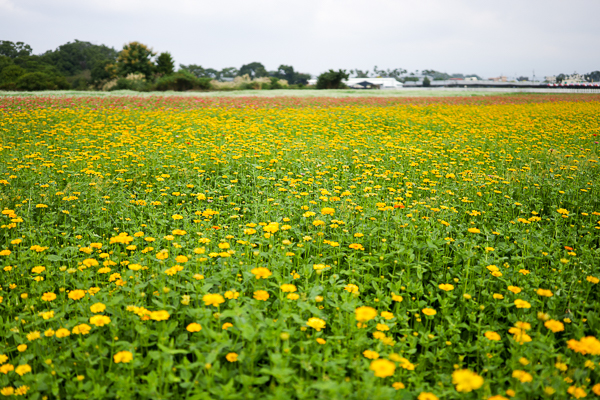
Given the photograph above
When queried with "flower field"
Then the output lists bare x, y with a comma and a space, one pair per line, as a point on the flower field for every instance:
246, 248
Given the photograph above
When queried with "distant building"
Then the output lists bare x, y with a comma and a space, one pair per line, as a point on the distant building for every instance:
500, 78
574, 78
550, 79
471, 78
373, 83
368, 83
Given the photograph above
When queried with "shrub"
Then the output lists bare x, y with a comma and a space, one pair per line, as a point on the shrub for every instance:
332, 79
41, 81
426, 82
181, 81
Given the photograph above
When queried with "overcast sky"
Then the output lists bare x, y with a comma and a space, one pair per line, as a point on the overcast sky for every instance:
489, 38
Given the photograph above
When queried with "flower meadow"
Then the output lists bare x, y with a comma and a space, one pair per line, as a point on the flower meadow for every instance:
365, 248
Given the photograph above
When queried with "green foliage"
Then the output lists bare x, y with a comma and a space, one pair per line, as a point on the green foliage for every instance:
136, 58
73, 58
102, 72
14, 50
41, 81
426, 82
253, 70
293, 77
181, 81
332, 79
165, 64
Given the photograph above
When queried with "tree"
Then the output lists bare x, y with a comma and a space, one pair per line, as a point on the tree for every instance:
165, 64
560, 78
103, 71
426, 82
41, 81
14, 50
74, 58
593, 76
332, 79
293, 77
194, 69
136, 58
389, 73
253, 70
358, 73
229, 72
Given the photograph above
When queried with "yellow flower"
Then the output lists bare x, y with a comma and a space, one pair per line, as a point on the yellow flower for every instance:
211, 299
288, 288
514, 289
226, 326
162, 255
231, 357
554, 326
76, 294
177, 217
370, 354
466, 381
90, 262
364, 313
352, 288
562, 211
576, 392
123, 357
396, 297
194, 327
22, 347
7, 391
82, 329
181, 259
544, 292
429, 311
592, 279
491, 335
387, 315
23, 369
98, 320
316, 323
446, 287
62, 332
398, 385
97, 308
522, 304
261, 272
232, 294
48, 296
427, 396
474, 230
382, 368
161, 315
522, 376
327, 211
31, 336
261, 295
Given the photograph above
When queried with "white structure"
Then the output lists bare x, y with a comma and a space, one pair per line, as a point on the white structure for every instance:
368, 83
381, 83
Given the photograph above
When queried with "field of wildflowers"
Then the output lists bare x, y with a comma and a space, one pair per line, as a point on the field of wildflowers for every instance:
239, 248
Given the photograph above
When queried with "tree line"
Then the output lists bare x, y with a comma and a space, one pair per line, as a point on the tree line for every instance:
82, 65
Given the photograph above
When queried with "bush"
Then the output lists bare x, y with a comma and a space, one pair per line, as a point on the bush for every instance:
138, 85
182, 81
332, 79
41, 81
426, 82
